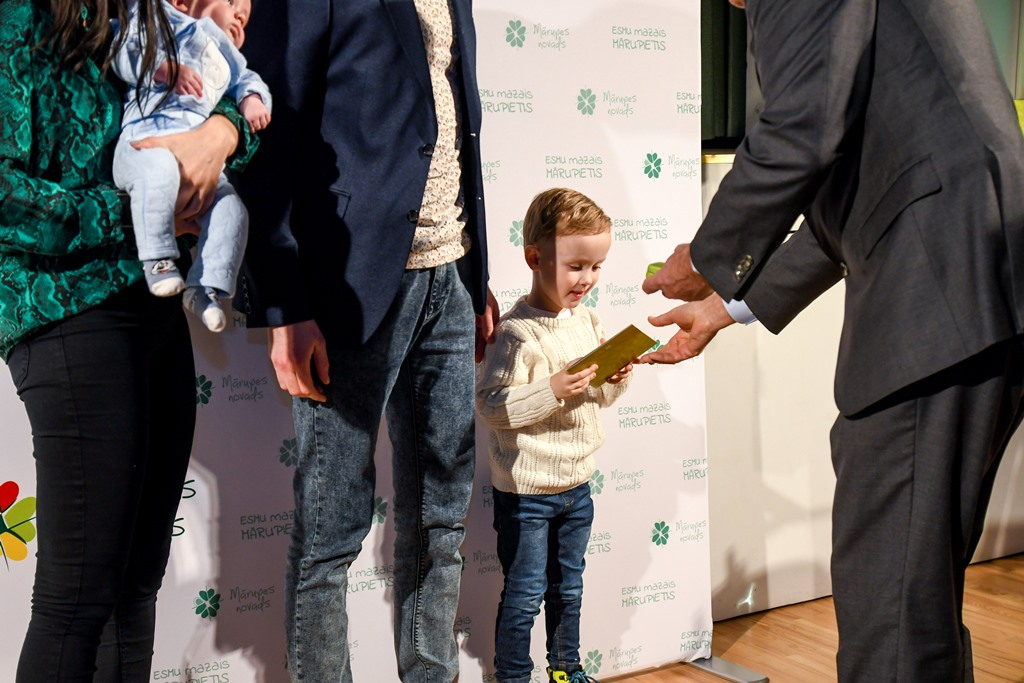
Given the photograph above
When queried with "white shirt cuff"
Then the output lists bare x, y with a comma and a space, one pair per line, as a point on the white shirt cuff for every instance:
739, 311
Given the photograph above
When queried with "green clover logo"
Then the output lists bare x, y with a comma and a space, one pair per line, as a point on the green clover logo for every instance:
289, 452
515, 234
586, 101
596, 482
16, 527
515, 33
592, 663
660, 533
204, 389
380, 510
590, 298
652, 166
208, 603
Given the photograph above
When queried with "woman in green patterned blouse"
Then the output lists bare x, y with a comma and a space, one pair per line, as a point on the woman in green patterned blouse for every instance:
104, 369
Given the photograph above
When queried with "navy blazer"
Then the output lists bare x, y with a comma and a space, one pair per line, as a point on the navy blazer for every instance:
334, 192
889, 127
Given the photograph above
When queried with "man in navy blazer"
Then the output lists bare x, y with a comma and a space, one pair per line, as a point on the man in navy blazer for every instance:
887, 124
367, 259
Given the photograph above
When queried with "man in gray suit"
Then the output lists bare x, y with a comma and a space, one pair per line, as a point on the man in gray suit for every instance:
887, 125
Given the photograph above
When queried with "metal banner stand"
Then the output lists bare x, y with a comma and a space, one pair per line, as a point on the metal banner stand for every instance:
729, 671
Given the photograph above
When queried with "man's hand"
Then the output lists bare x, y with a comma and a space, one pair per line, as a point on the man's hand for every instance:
677, 279
486, 324
698, 321
294, 351
565, 385
201, 154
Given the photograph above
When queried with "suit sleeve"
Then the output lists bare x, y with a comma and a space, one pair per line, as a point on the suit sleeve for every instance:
813, 61
287, 47
797, 273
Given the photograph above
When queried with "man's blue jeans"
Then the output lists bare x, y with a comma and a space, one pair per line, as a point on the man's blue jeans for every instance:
542, 546
418, 369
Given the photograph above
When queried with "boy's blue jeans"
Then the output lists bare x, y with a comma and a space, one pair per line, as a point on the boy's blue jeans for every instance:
542, 546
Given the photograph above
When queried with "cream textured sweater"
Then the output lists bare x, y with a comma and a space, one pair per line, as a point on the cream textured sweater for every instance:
539, 444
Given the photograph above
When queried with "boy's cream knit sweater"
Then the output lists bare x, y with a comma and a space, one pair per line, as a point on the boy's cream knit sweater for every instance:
539, 444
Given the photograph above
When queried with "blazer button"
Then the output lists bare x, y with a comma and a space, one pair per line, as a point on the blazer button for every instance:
845, 271
427, 150
743, 266
413, 216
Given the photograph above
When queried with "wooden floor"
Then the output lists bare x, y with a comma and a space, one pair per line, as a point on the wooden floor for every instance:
797, 643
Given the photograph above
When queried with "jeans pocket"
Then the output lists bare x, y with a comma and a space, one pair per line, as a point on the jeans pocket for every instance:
17, 363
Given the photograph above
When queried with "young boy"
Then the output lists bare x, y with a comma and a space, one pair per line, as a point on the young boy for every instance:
207, 35
545, 429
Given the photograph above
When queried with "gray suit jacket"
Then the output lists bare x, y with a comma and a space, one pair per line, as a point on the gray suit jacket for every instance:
888, 126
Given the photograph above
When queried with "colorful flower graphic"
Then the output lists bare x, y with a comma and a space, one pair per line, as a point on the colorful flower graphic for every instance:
16, 527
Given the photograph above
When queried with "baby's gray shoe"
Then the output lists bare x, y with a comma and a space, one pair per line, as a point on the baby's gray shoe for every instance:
204, 302
163, 277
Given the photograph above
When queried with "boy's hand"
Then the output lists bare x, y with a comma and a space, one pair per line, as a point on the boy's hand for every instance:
189, 81
621, 375
255, 112
565, 385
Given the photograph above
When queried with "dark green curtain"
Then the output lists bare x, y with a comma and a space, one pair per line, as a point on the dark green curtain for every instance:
723, 67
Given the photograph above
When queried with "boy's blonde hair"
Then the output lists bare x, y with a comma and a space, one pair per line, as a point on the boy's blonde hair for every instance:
561, 211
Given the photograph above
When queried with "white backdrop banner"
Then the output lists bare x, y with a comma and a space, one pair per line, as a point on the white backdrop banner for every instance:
601, 96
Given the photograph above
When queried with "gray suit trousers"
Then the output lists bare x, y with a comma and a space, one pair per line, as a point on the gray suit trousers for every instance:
914, 474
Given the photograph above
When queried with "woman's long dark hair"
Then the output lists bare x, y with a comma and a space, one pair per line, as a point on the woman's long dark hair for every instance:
81, 31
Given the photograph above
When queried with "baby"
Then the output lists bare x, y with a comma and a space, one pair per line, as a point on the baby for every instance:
207, 34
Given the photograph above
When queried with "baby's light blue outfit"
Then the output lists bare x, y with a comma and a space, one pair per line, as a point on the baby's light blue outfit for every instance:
151, 176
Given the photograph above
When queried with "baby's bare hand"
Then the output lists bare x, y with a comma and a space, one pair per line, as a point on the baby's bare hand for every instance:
189, 82
255, 112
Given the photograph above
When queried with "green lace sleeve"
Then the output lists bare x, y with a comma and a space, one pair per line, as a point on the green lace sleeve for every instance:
248, 143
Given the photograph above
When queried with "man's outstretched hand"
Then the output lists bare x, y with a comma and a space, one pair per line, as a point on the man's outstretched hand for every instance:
698, 321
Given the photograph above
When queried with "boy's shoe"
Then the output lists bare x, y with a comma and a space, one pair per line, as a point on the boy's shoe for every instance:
577, 676
204, 302
162, 277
